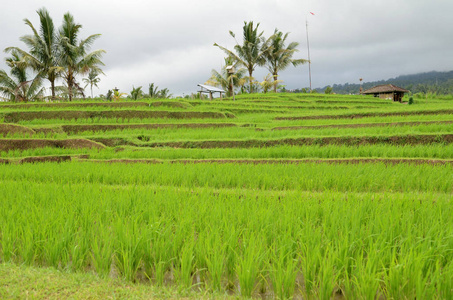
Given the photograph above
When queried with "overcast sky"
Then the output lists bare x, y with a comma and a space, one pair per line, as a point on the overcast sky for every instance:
171, 42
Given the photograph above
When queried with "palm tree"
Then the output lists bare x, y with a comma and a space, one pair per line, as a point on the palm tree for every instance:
136, 93
153, 91
251, 53
18, 87
109, 95
73, 53
164, 94
117, 95
62, 92
268, 83
226, 81
43, 49
92, 80
279, 57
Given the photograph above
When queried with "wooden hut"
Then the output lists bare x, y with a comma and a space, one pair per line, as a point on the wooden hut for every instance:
387, 91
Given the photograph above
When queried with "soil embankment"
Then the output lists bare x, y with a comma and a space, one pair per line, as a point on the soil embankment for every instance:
394, 124
390, 161
24, 144
11, 129
343, 140
365, 115
14, 117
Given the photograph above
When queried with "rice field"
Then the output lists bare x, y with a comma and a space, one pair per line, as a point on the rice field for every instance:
336, 218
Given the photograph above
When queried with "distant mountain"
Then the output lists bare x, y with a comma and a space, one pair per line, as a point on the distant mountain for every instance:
430, 82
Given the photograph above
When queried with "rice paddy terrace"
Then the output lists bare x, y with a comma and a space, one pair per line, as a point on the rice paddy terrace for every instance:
275, 196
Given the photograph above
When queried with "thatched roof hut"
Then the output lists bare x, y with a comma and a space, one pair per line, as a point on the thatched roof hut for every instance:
387, 91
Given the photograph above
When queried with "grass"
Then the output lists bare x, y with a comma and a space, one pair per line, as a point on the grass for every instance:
24, 282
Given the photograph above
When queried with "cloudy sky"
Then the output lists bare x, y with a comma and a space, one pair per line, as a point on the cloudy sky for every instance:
171, 42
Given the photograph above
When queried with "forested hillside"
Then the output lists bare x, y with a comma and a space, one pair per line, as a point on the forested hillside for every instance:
430, 82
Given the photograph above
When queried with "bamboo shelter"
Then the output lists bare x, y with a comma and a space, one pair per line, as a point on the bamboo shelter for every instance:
387, 91
210, 90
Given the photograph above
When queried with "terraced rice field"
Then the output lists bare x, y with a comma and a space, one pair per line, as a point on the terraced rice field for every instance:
274, 196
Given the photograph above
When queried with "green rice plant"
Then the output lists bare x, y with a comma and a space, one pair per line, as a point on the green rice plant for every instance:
327, 281
345, 252
310, 267
249, 264
144, 136
80, 251
280, 152
8, 234
284, 268
27, 248
56, 252
366, 276
231, 254
309, 177
396, 278
128, 251
424, 287
102, 247
215, 252
157, 258
315, 227
443, 280
184, 267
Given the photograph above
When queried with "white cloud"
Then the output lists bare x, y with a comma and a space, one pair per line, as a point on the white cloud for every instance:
170, 42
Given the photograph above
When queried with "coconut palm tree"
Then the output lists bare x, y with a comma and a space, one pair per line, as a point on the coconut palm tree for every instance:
268, 83
92, 80
279, 57
18, 87
136, 93
153, 90
251, 53
73, 54
164, 94
226, 81
117, 95
43, 45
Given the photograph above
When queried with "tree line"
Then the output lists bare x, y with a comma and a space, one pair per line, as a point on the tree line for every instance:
52, 54
255, 50
58, 54
138, 93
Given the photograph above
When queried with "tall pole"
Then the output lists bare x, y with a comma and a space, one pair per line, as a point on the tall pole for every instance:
308, 48
232, 86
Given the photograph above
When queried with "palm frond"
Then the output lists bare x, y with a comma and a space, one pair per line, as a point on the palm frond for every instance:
47, 29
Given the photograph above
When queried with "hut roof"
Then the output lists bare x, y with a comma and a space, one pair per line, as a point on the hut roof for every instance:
210, 88
385, 88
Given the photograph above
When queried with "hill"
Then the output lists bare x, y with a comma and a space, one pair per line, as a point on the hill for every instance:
429, 82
